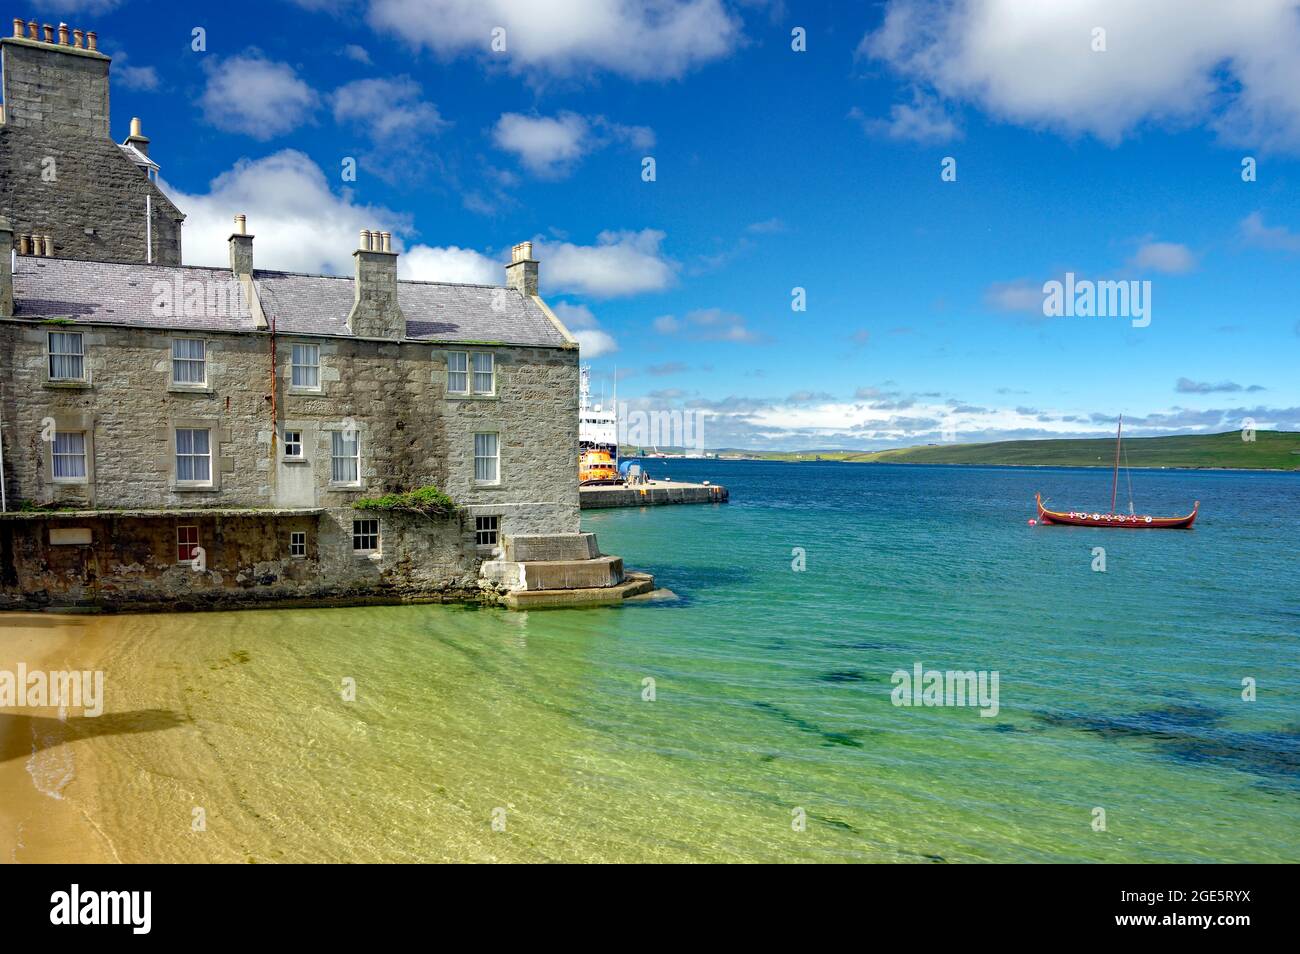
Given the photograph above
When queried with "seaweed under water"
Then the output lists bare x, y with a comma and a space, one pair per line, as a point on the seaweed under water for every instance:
1193, 733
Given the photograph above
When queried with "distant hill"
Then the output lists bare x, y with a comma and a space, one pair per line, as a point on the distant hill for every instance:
1271, 450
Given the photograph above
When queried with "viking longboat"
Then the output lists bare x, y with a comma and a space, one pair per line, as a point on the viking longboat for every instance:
1132, 520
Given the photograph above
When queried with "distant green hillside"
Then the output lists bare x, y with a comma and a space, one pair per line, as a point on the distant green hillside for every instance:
1271, 450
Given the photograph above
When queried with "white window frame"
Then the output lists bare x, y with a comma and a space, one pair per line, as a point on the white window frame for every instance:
338, 439
79, 354
360, 531
495, 457
490, 373
56, 455
458, 374
177, 455
480, 530
289, 455
202, 362
294, 365
298, 544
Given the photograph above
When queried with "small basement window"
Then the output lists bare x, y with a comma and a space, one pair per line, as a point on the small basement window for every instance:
298, 543
293, 443
187, 544
365, 536
485, 531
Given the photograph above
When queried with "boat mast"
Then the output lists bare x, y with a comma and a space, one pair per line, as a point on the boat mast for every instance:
1114, 486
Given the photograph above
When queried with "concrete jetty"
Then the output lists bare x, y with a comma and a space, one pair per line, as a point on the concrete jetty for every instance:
652, 493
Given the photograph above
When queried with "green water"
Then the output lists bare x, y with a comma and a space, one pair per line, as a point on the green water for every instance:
1118, 690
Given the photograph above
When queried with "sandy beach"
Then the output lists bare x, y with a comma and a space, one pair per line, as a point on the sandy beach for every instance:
47, 793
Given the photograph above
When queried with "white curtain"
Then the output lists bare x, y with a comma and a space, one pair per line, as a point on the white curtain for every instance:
189, 360
192, 455
66, 358
485, 458
69, 455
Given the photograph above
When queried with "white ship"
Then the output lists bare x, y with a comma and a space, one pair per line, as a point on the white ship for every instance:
597, 424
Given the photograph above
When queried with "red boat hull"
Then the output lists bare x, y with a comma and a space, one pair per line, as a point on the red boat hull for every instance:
1075, 518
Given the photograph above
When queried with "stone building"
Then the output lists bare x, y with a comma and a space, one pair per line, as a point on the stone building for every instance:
65, 186
183, 436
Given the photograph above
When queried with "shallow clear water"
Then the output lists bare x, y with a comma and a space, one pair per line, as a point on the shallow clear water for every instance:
1119, 690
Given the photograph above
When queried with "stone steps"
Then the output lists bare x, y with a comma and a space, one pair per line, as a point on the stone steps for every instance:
560, 569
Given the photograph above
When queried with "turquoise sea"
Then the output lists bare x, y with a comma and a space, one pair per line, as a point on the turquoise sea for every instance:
479, 734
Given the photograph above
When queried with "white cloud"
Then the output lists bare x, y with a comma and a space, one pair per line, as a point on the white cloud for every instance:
658, 39
923, 121
1182, 62
1168, 257
301, 225
593, 341
709, 324
1255, 232
450, 264
357, 53
549, 146
1019, 295
141, 78
79, 6
620, 263
387, 108
546, 146
256, 96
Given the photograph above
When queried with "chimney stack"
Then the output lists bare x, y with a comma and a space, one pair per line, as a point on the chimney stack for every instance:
241, 248
375, 312
137, 137
521, 273
6, 269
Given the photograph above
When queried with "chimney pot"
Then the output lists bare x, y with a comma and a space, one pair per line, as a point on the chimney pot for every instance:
49, 246
33, 30
76, 38
364, 243
241, 220
135, 126
388, 241
49, 33
18, 27
63, 34
92, 40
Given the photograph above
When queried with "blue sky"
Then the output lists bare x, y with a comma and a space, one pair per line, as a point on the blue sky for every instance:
779, 169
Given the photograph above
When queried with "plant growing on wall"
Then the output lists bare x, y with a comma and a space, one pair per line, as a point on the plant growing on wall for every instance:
429, 501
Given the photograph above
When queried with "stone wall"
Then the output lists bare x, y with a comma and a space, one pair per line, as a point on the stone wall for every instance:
131, 562
392, 394
60, 172
55, 88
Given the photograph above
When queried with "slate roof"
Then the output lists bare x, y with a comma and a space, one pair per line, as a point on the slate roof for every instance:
125, 294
